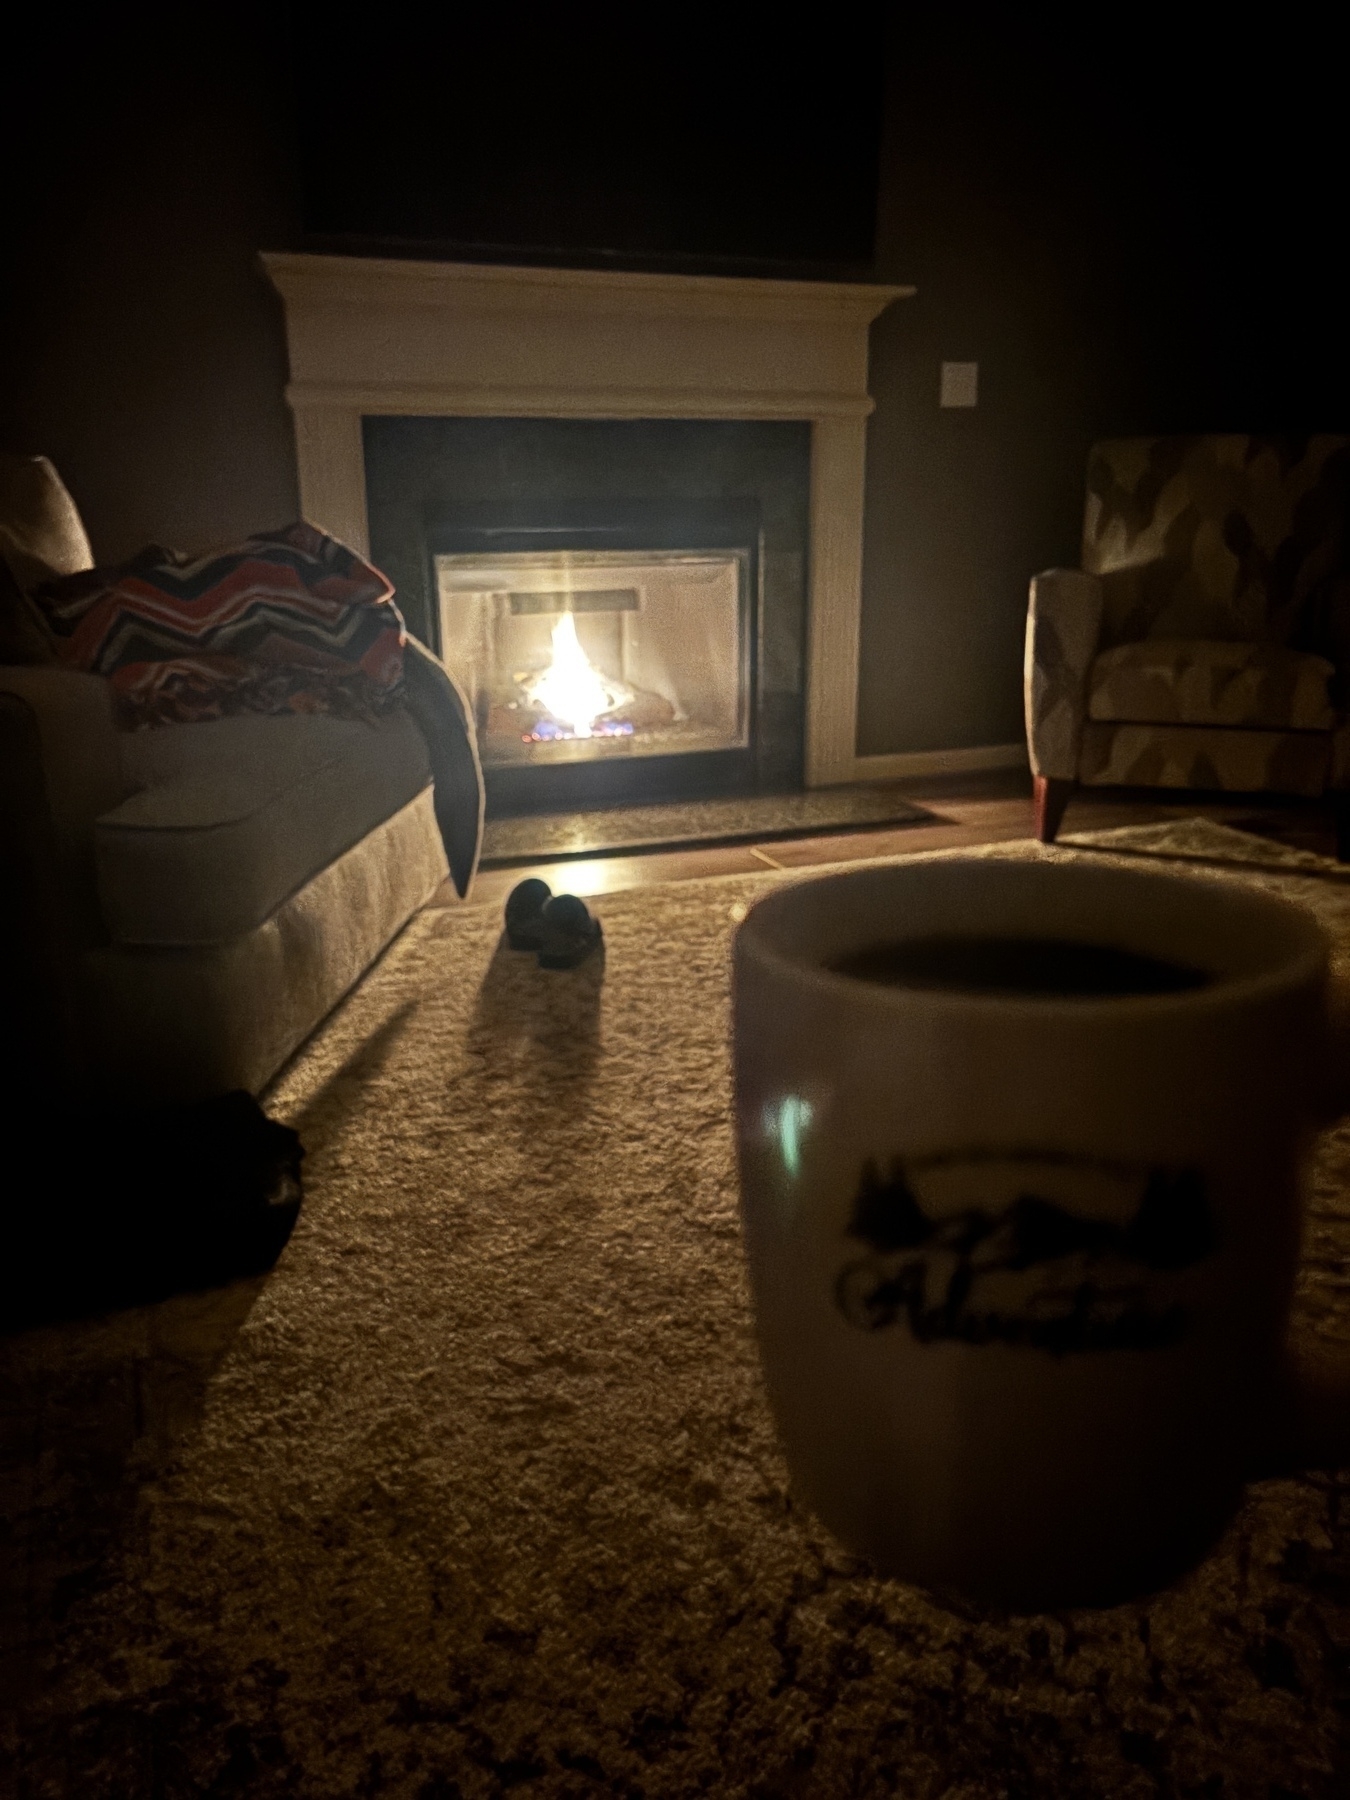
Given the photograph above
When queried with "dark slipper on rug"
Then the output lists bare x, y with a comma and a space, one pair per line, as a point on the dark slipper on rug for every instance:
525, 913
568, 933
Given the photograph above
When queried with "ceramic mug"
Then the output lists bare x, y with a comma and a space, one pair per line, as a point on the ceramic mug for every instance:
1022, 1265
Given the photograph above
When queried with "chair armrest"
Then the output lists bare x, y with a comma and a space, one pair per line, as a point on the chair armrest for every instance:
1064, 623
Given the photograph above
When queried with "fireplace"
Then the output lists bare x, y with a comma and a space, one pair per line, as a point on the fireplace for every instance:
600, 672
380, 344
623, 602
594, 652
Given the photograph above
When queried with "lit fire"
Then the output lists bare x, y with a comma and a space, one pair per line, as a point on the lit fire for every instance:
570, 688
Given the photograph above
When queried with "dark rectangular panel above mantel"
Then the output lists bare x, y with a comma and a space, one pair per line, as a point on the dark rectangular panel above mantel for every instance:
561, 137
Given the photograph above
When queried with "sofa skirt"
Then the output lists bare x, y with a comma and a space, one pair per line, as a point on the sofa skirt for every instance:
181, 1024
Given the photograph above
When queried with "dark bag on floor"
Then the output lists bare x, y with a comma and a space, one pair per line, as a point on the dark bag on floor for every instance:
120, 1207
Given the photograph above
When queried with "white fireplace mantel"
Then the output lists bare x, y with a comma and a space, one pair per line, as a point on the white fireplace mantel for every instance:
459, 339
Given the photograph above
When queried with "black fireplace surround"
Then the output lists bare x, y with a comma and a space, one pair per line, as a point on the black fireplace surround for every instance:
469, 486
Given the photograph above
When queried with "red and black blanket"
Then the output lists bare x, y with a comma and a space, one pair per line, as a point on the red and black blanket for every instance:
287, 621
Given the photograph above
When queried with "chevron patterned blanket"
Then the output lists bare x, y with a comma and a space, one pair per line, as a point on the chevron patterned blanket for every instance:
287, 621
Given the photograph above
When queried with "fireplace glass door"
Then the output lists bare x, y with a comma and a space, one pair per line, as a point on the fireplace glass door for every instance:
582, 656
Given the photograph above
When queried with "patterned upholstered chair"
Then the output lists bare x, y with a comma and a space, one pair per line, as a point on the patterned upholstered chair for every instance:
1205, 642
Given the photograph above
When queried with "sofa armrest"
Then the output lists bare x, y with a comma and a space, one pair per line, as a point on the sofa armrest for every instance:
441, 713
1064, 623
58, 765
81, 763
41, 933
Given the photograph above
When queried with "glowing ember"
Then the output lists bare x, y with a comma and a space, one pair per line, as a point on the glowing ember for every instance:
573, 691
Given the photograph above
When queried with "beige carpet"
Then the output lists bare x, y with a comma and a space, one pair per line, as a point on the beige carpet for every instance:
478, 1493
1206, 841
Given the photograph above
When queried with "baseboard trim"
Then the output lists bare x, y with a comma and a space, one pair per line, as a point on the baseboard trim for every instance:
975, 759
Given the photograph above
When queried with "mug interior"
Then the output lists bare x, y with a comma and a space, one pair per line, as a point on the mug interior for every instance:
1231, 934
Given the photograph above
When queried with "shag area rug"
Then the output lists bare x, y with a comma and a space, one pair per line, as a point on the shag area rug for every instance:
684, 824
1196, 840
477, 1492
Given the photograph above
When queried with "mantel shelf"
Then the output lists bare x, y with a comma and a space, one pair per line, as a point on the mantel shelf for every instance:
599, 293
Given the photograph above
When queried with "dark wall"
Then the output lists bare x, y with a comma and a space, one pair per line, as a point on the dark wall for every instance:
1157, 250
1129, 233
145, 352
646, 135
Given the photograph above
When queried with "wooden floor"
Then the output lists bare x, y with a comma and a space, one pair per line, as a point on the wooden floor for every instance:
966, 810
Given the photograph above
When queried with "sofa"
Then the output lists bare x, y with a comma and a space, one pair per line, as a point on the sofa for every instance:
1204, 642
185, 904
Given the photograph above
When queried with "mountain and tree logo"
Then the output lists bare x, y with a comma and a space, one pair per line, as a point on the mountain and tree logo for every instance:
985, 1248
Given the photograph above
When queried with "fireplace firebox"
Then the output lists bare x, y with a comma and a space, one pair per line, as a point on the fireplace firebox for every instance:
574, 656
604, 659
623, 602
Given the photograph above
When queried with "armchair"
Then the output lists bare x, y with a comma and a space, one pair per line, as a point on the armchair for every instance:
1205, 642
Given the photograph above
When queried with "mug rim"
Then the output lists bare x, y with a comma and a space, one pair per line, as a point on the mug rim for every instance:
1305, 963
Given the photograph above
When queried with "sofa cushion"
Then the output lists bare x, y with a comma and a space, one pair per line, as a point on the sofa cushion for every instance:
1199, 681
235, 815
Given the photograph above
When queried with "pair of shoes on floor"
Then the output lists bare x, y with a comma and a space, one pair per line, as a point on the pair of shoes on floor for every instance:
557, 927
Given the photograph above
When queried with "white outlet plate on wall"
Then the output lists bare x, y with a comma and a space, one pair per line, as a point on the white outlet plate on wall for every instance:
960, 385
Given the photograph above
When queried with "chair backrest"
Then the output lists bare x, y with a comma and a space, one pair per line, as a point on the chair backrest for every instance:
1224, 536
